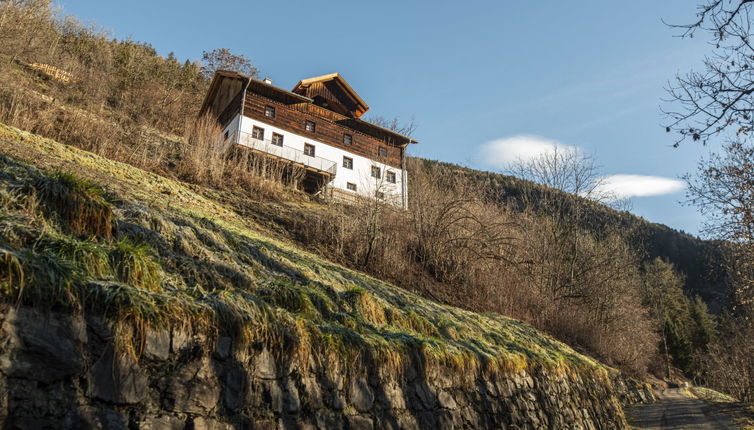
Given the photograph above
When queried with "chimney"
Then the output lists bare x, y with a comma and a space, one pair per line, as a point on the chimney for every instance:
267, 81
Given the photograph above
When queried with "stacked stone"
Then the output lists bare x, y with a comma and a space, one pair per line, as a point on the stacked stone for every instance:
61, 371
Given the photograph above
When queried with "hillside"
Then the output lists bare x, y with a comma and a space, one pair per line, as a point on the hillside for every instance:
86, 237
700, 261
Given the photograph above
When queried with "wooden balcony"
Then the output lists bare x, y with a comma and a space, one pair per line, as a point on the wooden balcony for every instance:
283, 152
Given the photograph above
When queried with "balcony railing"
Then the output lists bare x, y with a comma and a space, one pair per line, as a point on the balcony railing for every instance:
287, 153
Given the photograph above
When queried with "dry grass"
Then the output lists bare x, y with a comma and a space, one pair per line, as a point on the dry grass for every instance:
298, 304
80, 204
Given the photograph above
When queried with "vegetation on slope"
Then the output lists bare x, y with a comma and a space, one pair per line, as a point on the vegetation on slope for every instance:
700, 262
465, 241
179, 258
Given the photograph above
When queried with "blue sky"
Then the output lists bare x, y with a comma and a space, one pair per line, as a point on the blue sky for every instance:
588, 74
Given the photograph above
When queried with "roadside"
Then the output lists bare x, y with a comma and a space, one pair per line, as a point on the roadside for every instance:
692, 409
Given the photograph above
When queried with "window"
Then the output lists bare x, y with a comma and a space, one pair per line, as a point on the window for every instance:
257, 133
277, 139
310, 126
390, 176
269, 111
309, 150
351, 186
379, 194
382, 152
348, 162
376, 172
347, 139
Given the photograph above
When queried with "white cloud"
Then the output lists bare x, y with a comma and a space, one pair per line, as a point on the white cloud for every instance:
500, 153
627, 186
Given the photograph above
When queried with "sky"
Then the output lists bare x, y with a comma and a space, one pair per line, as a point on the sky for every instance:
486, 81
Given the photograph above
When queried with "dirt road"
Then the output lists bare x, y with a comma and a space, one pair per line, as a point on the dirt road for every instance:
675, 410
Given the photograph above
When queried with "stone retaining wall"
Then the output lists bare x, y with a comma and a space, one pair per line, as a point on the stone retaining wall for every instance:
63, 372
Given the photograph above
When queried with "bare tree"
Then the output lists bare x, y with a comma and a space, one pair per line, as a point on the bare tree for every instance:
223, 59
719, 97
723, 189
395, 124
570, 170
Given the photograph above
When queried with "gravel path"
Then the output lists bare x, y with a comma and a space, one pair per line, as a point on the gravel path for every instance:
674, 410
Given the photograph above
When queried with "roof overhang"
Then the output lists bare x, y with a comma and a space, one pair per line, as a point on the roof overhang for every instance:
361, 106
275, 92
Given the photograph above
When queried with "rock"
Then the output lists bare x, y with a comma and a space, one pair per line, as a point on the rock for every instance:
264, 365
360, 395
425, 394
290, 397
446, 400
275, 396
165, 422
391, 397
117, 379
194, 389
356, 422
329, 420
91, 418
312, 394
210, 424
223, 348
33, 338
157, 345
234, 388
179, 341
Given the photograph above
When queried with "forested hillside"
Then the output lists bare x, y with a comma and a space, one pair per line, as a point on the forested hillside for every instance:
700, 261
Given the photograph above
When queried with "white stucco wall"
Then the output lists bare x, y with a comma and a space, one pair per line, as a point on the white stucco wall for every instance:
360, 175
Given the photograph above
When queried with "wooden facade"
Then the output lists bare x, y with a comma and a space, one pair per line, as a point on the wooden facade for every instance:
323, 112
330, 127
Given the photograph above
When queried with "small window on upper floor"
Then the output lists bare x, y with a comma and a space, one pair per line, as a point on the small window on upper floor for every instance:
347, 139
277, 139
310, 126
309, 149
376, 172
269, 111
348, 162
257, 133
351, 186
390, 176
382, 152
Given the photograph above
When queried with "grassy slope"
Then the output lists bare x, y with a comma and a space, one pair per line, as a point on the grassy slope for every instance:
220, 272
698, 259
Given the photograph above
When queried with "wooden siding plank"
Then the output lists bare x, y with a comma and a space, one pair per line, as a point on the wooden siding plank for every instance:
293, 117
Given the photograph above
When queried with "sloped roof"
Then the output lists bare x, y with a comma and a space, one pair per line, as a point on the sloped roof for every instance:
361, 106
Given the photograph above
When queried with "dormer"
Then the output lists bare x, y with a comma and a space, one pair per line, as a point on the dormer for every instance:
332, 92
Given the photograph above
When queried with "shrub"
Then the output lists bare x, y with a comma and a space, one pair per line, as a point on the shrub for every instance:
134, 264
80, 204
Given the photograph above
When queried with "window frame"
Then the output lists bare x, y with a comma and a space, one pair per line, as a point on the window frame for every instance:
390, 174
310, 150
270, 108
313, 126
349, 138
274, 135
350, 186
254, 130
348, 165
382, 151
378, 170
